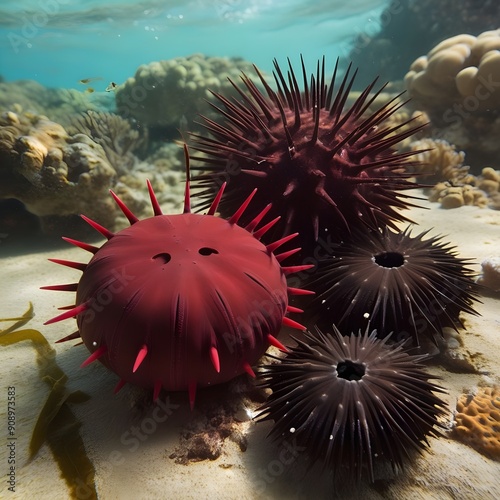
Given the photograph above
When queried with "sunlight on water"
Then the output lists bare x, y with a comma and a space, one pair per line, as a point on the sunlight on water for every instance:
67, 39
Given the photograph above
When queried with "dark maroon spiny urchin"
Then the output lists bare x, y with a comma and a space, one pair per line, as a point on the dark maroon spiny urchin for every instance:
322, 164
351, 401
395, 282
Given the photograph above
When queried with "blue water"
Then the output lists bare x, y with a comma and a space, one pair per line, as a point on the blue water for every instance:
59, 42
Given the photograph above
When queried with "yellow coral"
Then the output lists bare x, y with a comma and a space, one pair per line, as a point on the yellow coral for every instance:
458, 69
456, 196
439, 161
477, 421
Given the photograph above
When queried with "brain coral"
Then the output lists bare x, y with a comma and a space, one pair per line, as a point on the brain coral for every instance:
458, 76
166, 93
478, 421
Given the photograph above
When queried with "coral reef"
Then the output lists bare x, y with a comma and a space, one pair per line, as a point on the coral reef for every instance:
455, 196
352, 401
59, 105
409, 28
168, 95
455, 85
438, 161
51, 172
454, 186
457, 74
58, 173
466, 189
477, 421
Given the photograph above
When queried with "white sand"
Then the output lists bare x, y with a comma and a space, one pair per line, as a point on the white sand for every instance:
143, 470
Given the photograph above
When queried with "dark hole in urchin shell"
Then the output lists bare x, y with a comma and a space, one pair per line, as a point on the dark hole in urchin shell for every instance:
163, 258
349, 429
349, 370
389, 259
417, 299
207, 251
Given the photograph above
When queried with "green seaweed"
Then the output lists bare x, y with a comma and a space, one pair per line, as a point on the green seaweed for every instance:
56, 424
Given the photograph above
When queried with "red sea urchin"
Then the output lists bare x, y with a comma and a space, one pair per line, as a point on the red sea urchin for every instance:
324, 167
395, 282
351, 401
180, 301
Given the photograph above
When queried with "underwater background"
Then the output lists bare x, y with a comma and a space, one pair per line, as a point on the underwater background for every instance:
101, 95
61, 42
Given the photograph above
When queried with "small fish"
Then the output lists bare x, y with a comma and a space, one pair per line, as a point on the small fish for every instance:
85, 81
89, 90
112, 86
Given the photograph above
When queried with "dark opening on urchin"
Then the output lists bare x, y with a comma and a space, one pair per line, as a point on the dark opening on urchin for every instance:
379, 404
349, 370
389, 259
394, 282
325, 164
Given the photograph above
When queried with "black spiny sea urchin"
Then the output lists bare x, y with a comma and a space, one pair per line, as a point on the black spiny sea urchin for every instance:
350, 400
322, 164
398, 282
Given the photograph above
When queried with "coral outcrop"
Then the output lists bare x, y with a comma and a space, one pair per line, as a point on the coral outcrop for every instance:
410, 28
477, 421
58, 173
51, 172
458, 76
456, 84
169, 94
463, 188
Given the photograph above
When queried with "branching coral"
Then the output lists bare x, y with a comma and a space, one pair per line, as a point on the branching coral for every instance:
438, 161
442, 165
477, 421
115, 134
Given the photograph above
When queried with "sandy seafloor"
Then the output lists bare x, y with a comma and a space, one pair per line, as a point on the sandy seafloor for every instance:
450, 470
